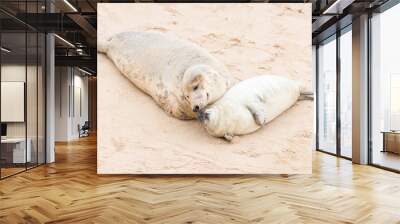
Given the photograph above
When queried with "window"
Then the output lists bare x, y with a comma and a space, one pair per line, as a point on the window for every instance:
327, 96
346, 92
385, 89
334, 106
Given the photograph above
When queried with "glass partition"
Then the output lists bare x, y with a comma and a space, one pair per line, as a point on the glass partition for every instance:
327, 95
13, 95
32, 95
22, 101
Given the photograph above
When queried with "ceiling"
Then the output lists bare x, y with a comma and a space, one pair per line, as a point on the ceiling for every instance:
76, 22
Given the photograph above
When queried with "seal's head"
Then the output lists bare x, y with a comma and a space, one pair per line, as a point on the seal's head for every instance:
210, 119
214, 123
201, 86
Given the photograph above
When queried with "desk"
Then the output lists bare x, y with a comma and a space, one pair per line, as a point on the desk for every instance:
15, 148
391, 141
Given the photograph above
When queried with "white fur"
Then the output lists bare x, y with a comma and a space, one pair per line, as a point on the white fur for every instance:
250, 104
164, 67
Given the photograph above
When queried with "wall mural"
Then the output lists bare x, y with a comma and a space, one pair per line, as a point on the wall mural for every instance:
204, 88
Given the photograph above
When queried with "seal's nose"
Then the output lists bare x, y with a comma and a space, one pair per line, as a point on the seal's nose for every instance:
202, 116
196, 108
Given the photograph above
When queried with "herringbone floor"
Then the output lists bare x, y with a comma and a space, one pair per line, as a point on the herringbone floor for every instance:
70, 191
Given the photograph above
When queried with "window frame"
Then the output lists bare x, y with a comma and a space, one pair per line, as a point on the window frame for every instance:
334, 37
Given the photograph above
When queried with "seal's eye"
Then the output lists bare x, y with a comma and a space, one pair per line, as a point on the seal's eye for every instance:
195, 88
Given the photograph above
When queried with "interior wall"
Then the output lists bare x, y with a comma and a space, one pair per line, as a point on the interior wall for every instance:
80, 109
62, 81
71, 87
17, 73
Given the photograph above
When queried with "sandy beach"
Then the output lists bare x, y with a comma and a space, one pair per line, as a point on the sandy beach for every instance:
136, 137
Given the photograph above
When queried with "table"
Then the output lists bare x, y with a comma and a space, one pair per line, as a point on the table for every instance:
16, 147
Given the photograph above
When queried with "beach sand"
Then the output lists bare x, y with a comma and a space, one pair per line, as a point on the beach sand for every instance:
136, 137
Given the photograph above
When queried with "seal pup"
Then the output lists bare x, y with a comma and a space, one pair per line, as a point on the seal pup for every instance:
251, 104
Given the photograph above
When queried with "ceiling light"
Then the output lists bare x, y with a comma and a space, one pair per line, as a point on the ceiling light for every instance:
79, 51
84, 71
70, 5
337, 7
5, 50
64, 40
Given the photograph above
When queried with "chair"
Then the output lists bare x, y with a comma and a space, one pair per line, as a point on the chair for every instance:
84, 130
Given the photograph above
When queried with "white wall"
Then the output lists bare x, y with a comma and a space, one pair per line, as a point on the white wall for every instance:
79, 117
62, 82
10, 73
13, 101
70, 83
34, 126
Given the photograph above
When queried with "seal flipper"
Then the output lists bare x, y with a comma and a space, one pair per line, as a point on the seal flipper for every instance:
257, 109
228, 137
231, 138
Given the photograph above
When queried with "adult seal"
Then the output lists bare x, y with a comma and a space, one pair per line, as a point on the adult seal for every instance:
180, 76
